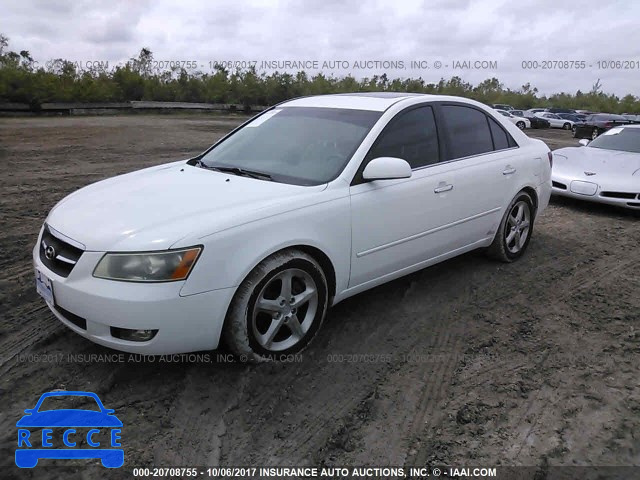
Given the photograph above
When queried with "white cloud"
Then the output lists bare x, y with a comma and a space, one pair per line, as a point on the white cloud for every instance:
505, 31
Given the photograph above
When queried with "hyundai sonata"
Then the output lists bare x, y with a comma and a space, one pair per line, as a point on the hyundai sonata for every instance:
306, 204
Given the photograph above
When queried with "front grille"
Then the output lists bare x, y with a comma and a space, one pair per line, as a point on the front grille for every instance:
57, 255
625, 195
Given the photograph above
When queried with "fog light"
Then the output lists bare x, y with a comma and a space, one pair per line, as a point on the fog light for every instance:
133, 335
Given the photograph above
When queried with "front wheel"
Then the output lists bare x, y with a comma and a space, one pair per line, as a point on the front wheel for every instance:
574, 131
278, 308
514, 232
594, 134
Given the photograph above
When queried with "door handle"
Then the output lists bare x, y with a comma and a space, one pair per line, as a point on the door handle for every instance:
508, 170
442, 188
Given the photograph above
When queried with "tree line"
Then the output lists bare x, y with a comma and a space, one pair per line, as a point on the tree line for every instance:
22, 80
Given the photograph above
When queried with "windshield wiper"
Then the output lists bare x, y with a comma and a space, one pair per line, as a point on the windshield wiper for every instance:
242, 172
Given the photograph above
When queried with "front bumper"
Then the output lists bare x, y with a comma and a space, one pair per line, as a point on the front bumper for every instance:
591, 191
184, 323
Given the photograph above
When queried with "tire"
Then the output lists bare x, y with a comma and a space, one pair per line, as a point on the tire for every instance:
594, 134
574, 132
275, 327
502, 248
566, 126
521, 125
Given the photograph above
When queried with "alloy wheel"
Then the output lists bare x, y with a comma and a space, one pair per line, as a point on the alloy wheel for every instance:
284, 310
518, 223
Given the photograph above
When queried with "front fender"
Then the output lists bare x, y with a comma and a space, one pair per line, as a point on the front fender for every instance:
230, 255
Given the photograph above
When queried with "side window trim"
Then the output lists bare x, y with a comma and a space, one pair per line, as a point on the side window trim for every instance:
357, 178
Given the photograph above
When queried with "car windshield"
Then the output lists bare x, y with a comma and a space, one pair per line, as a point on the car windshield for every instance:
623, 139
69, 402
298, 145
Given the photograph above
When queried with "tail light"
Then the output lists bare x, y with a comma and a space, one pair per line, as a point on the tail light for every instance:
608, 125
550, 156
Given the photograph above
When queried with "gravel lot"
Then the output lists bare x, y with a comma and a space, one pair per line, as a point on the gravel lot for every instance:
468, 362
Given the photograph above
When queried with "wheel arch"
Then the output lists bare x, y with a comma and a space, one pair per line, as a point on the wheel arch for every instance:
315, 252
325, 263
534, 196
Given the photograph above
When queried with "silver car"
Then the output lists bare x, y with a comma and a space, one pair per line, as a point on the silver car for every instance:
606, 170
555, 120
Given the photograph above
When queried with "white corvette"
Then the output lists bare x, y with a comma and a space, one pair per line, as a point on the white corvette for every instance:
306, 204
606, 170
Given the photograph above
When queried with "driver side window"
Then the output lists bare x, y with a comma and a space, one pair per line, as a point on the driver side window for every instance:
412, 136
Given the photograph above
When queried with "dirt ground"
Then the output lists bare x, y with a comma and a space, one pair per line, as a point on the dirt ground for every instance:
469, 362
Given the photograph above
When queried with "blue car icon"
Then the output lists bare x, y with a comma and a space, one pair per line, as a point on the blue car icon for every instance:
47, 419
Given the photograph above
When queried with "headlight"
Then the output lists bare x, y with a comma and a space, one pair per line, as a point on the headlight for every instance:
168, 266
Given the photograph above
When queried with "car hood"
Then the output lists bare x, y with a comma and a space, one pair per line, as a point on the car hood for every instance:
154, 208
69, 418
601, 162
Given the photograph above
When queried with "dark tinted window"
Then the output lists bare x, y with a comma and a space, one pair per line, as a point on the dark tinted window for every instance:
500, 137
411, 136
468, 131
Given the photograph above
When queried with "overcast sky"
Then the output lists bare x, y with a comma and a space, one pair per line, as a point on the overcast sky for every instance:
504, 31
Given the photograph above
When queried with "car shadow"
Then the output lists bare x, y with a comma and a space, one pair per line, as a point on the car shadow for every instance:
593, 208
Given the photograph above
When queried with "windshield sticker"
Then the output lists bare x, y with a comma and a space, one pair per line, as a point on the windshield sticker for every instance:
613, 131
263, 118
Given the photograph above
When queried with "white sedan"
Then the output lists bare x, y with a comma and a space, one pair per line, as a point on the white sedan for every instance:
520, 122
556, 121
308, 203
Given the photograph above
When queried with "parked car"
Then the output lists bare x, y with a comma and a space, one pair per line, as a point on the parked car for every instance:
519, 122
536, 110
604, 170
560, 110
502, 106
631, 117
556, 121
594, 125
304, 205
536, 122
574, 117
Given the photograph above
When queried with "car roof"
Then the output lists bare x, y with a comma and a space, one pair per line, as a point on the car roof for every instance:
374, 101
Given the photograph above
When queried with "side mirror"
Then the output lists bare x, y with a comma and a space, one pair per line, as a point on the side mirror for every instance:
386, 168
584, 142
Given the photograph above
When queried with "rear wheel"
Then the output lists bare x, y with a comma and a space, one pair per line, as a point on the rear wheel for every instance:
594, 134
278, 308
520, 125
514, 232
573, 130
566, 126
